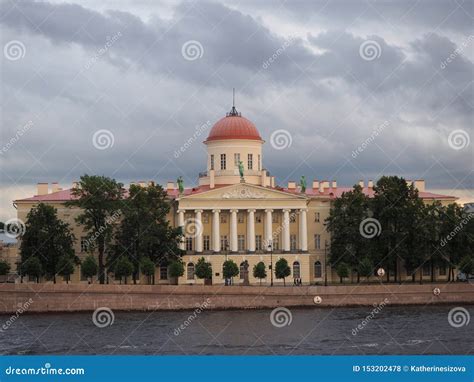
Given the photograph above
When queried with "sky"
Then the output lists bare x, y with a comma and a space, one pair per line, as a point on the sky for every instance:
339, 90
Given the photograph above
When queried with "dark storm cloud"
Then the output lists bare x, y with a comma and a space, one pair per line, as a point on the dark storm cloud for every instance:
314, 84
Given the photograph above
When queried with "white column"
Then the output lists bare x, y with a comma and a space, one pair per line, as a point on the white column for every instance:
181, 224
233, 231
303, 228
286, 230
216, 235
199, 230
268, 228
251, 230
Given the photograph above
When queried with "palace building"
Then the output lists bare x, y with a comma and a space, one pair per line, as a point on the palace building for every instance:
243, 218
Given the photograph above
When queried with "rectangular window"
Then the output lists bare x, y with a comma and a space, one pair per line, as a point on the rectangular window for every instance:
258, 164
276, 243
236, 160
223, 162
83, 278
258, 242
84, 244
258, 218
275, 218
206, 243
163, 273
426, 270
205, 218
250, 161
189, 244
224, 243
241, 243
317, 217
317, 241
293, 242
212, 161
240, 217
442, 270
223, 218
292, 217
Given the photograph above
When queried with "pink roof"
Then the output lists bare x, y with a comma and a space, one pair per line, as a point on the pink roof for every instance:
65, 195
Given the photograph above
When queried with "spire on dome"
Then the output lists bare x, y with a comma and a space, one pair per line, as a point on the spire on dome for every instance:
233, 112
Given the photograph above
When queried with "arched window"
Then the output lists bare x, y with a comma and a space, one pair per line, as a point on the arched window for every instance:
242, 270
190, 271
296, 270
318, 270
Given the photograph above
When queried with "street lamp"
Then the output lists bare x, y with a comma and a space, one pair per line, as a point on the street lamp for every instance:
270, 248
325, 263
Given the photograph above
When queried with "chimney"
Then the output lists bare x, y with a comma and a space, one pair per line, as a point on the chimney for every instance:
264, 178
169, 186
321, 187
420, 185
75, 184
42, 189
211, 179
315, 184
361, 183
334, 184
371, 184
142, 183
272, 182
291, 185
151, 183
325, 184
55, 187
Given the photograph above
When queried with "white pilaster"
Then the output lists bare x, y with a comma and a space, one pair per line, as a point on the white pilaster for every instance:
268, 228
251, 230
181, 224
303, 228
199, 231
286, 230
216, 235
233, 231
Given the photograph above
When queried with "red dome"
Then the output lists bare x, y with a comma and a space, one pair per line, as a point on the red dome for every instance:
233, 127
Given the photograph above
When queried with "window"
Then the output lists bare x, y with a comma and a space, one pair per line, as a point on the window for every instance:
258, 242
223, 218
258, 218
293, 242
83, 277
296, 270
250, 161
188, 216
242, 270
276, 243
84, 244
190, 271
224, 243
241, 243
223, 162
316, 217
275, 218
292, 217
236, 160
258, 164
206, 243
189, 244
442, 270
317, 241
205, 218
212, 161
163, 272
240, 217
426, 269
318, 272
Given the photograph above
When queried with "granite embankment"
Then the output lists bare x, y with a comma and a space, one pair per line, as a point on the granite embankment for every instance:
83, 297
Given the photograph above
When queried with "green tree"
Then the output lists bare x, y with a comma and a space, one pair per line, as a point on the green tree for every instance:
176, 269
148, 269
203, 269
32, 267
123, 268
230, 269
282, 270
99, 199
259, 271
47, 238
145, 230
365, 268
89, 267
65, 267
4, 268
342, 270
466, 265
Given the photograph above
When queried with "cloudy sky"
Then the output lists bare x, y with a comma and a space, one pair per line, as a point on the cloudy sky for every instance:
117, 87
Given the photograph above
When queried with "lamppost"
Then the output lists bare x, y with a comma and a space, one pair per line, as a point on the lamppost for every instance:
226, 250
325, 263
270, 248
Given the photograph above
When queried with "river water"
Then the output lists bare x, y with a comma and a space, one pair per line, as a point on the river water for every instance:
394, 330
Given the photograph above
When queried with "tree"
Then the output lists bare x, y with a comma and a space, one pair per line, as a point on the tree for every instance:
176, 270
4, 268
145, 230
466, 265
259, 271
148, 269
47, 238
65, 267
230, 269
203, 269
99, 199
32, 267
123, 268
282, 270
365, 268
89, 267
342, 270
